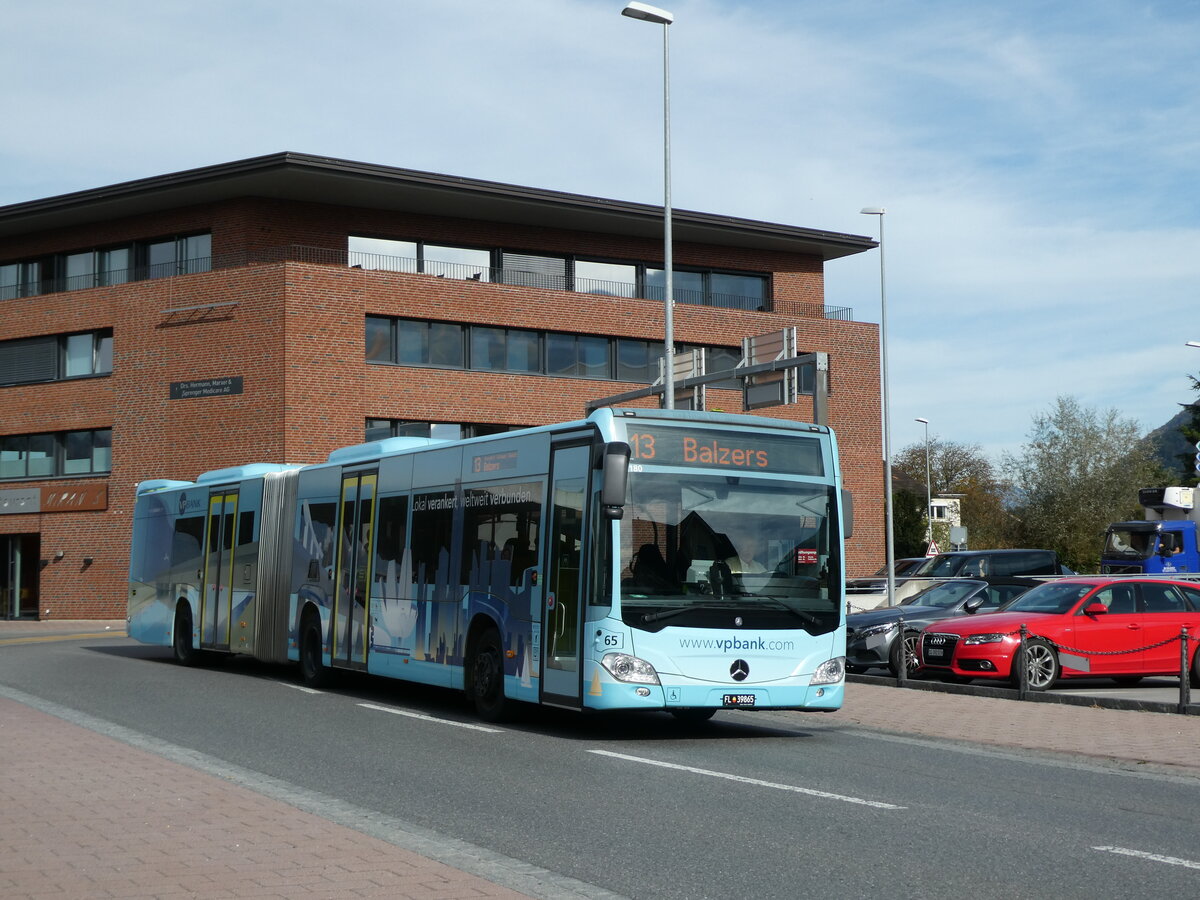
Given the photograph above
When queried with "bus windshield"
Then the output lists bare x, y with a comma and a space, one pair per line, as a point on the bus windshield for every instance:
699, 551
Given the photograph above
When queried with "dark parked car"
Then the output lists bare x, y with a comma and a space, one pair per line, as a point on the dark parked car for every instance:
981, 564
865, 592
871, 636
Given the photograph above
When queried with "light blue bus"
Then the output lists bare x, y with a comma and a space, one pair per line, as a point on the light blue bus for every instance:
639, 559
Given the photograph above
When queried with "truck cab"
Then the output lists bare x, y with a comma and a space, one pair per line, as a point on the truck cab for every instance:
1164, 543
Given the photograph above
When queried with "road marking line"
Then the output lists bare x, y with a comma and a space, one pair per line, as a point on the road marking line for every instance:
299, 687
1152, 857
425, 718
744, 780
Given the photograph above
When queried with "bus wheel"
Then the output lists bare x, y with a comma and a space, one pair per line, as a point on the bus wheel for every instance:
312, 668
487, 678
185, 651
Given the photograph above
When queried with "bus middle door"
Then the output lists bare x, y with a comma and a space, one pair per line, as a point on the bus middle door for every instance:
349, 637
216, 599
562, 609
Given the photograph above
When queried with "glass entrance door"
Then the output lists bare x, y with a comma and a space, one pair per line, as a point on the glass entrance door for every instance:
562, 611
356, 517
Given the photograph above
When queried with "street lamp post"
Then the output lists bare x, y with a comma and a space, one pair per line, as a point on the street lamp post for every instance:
887, 413
928, 488
647, 13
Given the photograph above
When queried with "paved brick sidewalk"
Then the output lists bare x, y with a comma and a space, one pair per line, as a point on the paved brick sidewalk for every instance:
85, 816
1142, 737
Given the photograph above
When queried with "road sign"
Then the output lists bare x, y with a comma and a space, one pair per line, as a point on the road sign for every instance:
933, 549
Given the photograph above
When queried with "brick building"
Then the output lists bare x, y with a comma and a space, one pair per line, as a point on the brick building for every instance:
273, 309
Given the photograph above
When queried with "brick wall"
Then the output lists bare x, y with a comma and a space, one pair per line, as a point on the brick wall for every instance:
294, 333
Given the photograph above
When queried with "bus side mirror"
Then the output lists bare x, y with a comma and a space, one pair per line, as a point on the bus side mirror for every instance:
615, 466
847, 515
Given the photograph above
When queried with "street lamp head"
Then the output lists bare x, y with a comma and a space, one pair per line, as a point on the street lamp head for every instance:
648, 13
872, 211
922, 421
1192, 344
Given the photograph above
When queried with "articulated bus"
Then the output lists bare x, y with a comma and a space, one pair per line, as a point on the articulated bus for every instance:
640, 559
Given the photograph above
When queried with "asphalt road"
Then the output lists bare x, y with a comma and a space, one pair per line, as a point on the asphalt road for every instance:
756, 805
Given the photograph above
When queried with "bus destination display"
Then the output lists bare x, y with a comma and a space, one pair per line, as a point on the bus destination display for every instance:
711, 449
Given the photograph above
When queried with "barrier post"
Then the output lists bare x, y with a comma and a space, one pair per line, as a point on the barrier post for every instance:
902, 669
1185, 683
1022, 669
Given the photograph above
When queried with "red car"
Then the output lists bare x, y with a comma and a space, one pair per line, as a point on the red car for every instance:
1077, 628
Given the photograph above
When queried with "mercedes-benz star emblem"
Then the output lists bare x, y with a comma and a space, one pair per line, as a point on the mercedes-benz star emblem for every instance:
740, 670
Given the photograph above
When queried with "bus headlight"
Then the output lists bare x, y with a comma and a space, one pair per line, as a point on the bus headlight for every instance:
624, 667
830, 671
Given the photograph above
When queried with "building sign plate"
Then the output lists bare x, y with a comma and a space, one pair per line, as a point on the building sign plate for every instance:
206, 387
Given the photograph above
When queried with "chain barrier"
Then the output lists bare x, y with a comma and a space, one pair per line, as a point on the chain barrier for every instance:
1024, 636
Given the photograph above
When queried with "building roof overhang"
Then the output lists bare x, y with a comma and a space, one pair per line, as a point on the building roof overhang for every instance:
320, 179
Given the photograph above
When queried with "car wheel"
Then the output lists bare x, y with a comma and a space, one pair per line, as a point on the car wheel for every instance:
1194, 671
185, 651
909, 644
312, 666
1041, 665
487, 678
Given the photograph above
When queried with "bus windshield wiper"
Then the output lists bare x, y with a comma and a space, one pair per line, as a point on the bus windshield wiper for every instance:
676, 610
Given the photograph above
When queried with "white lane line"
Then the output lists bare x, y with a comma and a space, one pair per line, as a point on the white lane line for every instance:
425, 718
299, 687
1151, 857
744, 780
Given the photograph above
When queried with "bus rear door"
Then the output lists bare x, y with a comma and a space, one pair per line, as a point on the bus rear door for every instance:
217, 596
356, 516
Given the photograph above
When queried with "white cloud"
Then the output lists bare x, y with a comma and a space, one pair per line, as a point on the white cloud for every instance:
1038, 161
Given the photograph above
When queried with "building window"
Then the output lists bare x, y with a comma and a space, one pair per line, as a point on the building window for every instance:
178, 256
20, 279
430, 344
609, 278
443, 260
87, 452
710, 288
379, 429
106, 266
487, 348
606, 279
55, 357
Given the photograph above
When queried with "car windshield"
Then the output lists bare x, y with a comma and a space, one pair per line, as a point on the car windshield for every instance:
694, 548
943, 566
1129, 542
1051, 597
945, 595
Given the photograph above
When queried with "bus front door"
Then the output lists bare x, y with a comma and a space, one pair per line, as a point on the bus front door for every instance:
562, 611
216, 600
349, 636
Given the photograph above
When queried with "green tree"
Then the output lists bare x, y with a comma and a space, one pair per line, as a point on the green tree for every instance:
908, 523
1080, 470
1190, 430
962, 469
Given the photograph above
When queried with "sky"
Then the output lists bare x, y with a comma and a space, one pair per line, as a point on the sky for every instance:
1038, 161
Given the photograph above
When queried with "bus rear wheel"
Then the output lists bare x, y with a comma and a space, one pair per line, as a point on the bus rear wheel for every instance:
487, 678
184, 649
312, 667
